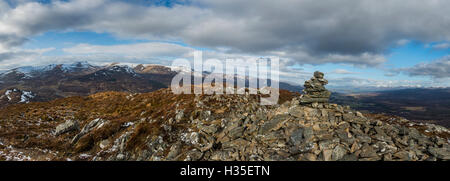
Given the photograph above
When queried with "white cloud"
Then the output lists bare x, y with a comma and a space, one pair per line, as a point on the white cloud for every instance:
19, 57
372, 84
403, 42
349, 31
441, 46
343, 71
153, 49
437, 69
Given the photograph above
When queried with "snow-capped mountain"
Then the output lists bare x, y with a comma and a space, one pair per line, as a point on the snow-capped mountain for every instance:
28, 72
80, 78
78, 66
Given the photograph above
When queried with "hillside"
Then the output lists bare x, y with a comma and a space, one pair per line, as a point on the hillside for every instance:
163, 126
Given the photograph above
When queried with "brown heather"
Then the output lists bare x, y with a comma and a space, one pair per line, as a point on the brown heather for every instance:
28, 127
163, 126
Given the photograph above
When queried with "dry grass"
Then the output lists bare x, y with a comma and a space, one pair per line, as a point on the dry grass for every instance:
139, 137
31, 125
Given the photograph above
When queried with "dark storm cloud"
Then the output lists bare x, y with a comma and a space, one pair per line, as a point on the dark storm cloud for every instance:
15, 55
12, 40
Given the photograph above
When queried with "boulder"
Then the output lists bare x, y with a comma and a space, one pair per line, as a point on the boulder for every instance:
87, 128
338, 153
68, 126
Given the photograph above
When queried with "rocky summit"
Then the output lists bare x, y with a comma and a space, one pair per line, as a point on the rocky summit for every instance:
160, 126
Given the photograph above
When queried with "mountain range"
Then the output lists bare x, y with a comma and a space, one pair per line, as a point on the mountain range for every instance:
45, 83
50, 82
116, 112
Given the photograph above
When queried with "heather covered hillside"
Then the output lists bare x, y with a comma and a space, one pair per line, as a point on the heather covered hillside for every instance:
30, 128
163, 126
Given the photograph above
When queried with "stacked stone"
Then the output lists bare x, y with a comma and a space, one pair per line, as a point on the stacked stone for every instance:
315, 91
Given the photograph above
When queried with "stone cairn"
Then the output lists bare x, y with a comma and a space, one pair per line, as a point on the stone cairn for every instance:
315, 91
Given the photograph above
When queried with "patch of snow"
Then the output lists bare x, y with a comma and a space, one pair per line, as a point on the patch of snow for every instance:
123, 68
128, 124
8, 94
179, 69
76, 66
26, 96
31, 71
84, 156
13, 155
25, 70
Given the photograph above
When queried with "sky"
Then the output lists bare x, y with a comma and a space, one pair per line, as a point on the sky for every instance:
356, 43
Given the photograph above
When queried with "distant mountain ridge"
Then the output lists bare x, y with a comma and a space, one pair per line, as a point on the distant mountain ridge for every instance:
45, 83
161, 125
80, 79
54, 81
